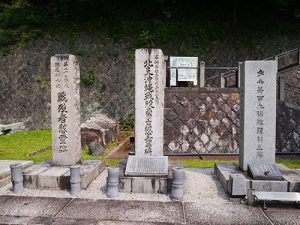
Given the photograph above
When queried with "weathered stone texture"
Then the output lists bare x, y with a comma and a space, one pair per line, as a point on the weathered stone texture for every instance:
198, 122
100, 130
292, 85
287, 128
213, 123
65, 110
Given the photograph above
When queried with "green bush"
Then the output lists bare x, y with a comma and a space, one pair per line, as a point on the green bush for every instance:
89, 78
19, 22
146, 40
126, 124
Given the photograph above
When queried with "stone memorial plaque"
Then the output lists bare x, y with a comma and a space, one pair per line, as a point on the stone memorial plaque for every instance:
265, 171
150, 77
147, 166
65, 110
258, 112
184, 74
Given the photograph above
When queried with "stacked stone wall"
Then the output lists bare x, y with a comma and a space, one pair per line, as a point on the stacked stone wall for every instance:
206, 121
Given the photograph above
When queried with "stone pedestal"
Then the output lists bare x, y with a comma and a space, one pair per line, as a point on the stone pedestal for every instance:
146, 184
47, 176
227, 171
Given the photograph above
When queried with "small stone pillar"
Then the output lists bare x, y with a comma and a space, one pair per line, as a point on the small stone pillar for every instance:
250, 197
17, 178
113, 182
75, 180
177, 183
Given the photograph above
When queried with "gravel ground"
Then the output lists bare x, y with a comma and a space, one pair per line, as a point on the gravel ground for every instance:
201, 185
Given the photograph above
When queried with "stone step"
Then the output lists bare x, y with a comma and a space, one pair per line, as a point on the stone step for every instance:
5, 169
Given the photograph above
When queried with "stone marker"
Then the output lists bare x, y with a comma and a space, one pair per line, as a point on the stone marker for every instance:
237, 185
258, 112
65, 110
150, 79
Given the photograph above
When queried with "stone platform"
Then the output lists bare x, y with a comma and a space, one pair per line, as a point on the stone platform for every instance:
5, 169
147, 184
45, 176
224, 171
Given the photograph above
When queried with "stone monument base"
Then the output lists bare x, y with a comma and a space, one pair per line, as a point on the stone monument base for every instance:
146, 184
236, 182
46, 176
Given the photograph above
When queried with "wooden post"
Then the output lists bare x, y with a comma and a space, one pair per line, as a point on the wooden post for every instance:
222, 80
281, 88
276, 58
202, 74
239, 75
299, 56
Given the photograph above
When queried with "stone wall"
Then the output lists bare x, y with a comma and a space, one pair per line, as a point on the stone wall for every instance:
25, 72
288, 127
206, 121
201, 121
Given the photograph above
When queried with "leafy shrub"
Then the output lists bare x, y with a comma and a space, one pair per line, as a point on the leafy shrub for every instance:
89, 78
146, 40
126, 124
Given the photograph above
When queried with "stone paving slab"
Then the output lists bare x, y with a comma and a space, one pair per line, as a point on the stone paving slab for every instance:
284, 217
283, 213
14, 220
228, 213
32, 207
136, 211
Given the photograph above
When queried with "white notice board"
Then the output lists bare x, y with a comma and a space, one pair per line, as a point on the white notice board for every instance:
183, 74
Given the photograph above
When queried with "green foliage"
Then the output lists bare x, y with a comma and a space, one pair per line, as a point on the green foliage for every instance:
89, 78
198, 163
126, 124
6, 51
80, 52
19, 22
146, 40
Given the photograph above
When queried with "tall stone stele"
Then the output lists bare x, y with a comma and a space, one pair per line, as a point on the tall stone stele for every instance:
258, 113
150, 80
65, 110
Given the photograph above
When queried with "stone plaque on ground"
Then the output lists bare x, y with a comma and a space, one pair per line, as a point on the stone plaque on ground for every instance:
65, 110
150, 76
265, 171
258, 112
147, 166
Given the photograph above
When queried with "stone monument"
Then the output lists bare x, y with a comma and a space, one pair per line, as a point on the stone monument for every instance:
66, 137
148, 164
65, 110
257, 168
258, 112
150, 79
